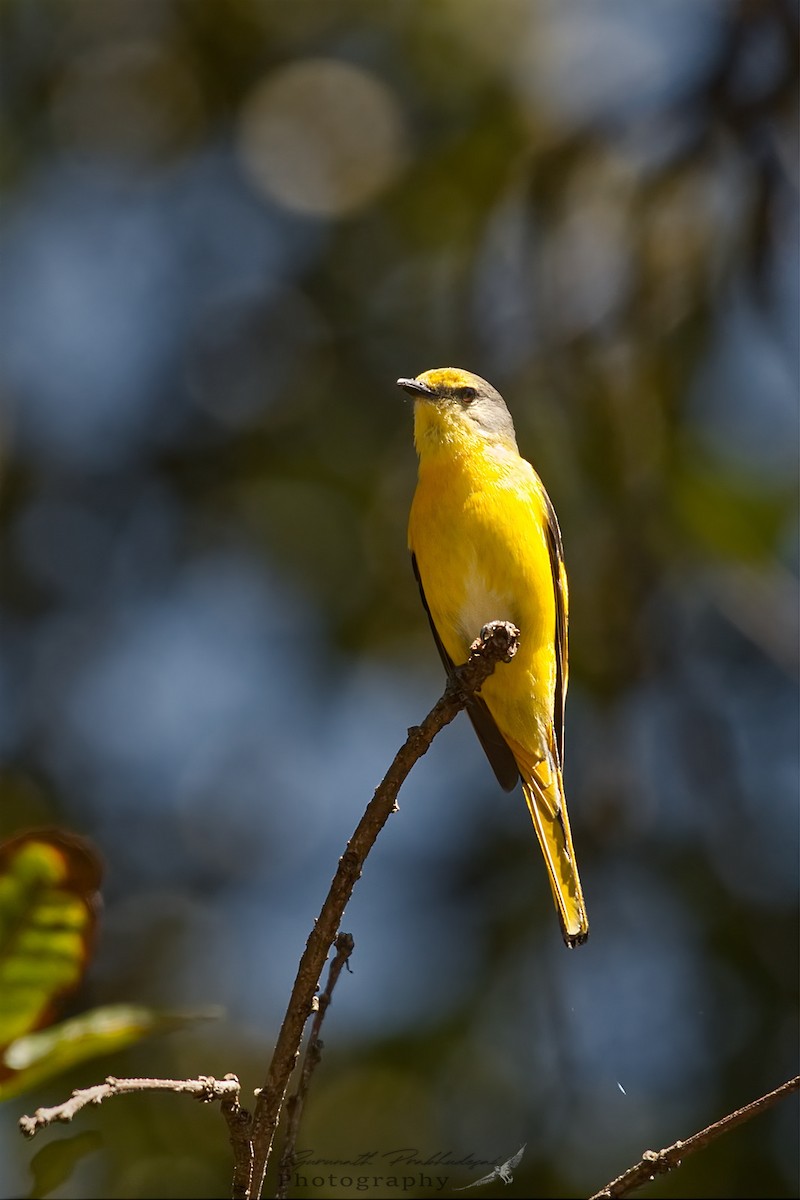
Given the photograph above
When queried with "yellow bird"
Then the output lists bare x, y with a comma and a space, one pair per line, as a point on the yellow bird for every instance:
486, 545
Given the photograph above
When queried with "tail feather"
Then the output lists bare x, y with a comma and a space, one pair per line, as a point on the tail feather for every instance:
543, 789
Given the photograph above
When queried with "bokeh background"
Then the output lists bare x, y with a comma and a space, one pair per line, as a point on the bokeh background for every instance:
225, 230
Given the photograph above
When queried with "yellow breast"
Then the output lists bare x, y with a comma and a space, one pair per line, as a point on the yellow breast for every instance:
477, 531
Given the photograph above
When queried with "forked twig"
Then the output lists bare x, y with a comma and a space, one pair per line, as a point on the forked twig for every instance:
497, 643
296, 1103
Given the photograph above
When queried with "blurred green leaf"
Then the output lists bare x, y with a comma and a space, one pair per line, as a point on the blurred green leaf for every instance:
49, 884
730, 515
38, 1056
55, 1162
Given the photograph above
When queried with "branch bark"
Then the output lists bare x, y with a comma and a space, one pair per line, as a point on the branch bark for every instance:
497, 643
205, 1088
660, 1162
312, 1056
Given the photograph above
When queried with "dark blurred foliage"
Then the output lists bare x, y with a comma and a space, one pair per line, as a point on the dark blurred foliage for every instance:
225, 230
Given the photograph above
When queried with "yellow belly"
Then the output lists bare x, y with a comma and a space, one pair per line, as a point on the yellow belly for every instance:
478, 533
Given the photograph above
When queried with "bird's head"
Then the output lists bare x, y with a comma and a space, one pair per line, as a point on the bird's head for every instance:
454, 407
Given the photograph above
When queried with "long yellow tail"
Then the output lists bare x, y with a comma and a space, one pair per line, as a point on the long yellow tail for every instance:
543, 788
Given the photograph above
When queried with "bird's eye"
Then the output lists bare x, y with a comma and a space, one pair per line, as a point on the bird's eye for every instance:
466, 394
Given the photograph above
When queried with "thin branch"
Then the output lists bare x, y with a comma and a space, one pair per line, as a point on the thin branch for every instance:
296, 1103
204, 1088
660, 1162
239, 1122
497, 643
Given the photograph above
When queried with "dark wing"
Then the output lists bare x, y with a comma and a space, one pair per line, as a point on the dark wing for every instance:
494, 744
556, 549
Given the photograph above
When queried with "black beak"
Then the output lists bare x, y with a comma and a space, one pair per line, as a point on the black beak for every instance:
415, 388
